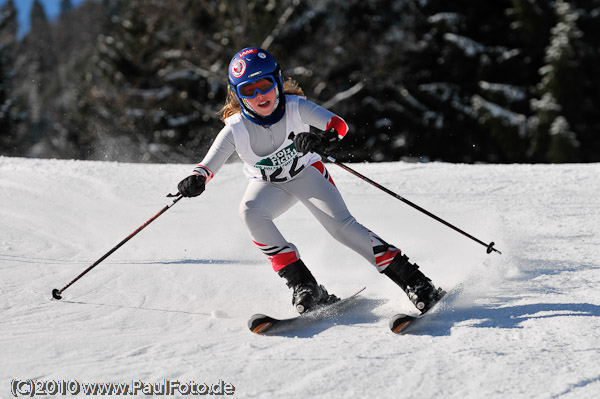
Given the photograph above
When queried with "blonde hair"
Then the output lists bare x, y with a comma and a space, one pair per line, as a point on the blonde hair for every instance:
232, 105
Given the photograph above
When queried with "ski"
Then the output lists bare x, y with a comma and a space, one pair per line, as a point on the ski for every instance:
401, 321
263, 324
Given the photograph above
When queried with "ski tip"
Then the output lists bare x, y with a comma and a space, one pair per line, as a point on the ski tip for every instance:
259, 323
400, 322
400, 327
261, 328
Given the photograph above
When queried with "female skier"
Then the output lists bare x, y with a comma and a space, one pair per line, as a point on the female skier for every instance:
260, 114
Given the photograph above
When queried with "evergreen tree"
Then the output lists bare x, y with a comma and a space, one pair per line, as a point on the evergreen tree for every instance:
553, 140
160, 76
356, 72
581, 109
8, 35
464, 91
65, 6
74, 38
33, 66
462, 81
39, 23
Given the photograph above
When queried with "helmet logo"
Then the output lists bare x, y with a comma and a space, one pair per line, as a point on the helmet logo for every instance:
246, 52
238, 68
262, 55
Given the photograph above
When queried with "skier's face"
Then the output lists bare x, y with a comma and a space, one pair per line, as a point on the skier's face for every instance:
263, 104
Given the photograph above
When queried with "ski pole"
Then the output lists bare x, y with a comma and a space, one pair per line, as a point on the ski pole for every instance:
56, 293
490, 246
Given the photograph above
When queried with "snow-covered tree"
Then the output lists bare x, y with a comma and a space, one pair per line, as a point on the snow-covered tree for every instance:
465, 81
552, 139
465, 90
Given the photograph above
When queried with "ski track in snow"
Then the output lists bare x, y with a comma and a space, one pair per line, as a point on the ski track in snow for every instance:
173, 302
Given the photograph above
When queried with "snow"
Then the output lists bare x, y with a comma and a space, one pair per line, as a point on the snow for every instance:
173, 302
510, 92
507, 117
469, 46
452, 19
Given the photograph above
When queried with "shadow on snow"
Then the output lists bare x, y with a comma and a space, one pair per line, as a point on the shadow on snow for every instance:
507, 317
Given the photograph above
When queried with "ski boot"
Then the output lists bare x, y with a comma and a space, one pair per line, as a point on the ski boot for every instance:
308, 295
420, 290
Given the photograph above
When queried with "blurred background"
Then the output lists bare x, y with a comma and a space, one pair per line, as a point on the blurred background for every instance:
419, 80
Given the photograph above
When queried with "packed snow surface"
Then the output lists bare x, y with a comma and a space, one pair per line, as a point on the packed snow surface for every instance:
172, 303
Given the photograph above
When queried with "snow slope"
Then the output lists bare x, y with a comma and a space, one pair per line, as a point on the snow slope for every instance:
172, 303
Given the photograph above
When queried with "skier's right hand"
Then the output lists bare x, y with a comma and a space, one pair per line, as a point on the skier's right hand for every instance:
192, 186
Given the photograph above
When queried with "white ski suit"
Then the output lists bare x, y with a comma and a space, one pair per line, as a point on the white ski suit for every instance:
280, 177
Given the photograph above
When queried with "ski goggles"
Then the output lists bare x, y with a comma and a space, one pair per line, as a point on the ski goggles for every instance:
263, 85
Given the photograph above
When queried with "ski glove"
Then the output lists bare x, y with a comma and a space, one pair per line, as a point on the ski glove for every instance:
192, 186
310, 142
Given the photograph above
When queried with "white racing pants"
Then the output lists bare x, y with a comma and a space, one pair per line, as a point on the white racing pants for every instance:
264, 201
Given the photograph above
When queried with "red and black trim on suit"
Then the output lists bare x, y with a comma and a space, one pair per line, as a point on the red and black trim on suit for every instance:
203, 171
321, 168
339, 125
280, 256
384, 252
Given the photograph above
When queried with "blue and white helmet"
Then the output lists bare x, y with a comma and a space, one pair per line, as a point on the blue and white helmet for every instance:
254, 69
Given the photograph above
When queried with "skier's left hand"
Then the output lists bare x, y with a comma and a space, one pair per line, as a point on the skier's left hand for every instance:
310, 142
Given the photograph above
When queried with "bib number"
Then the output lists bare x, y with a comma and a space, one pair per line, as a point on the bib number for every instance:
279, 175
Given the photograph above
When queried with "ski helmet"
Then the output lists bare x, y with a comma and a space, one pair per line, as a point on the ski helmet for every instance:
254, 70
